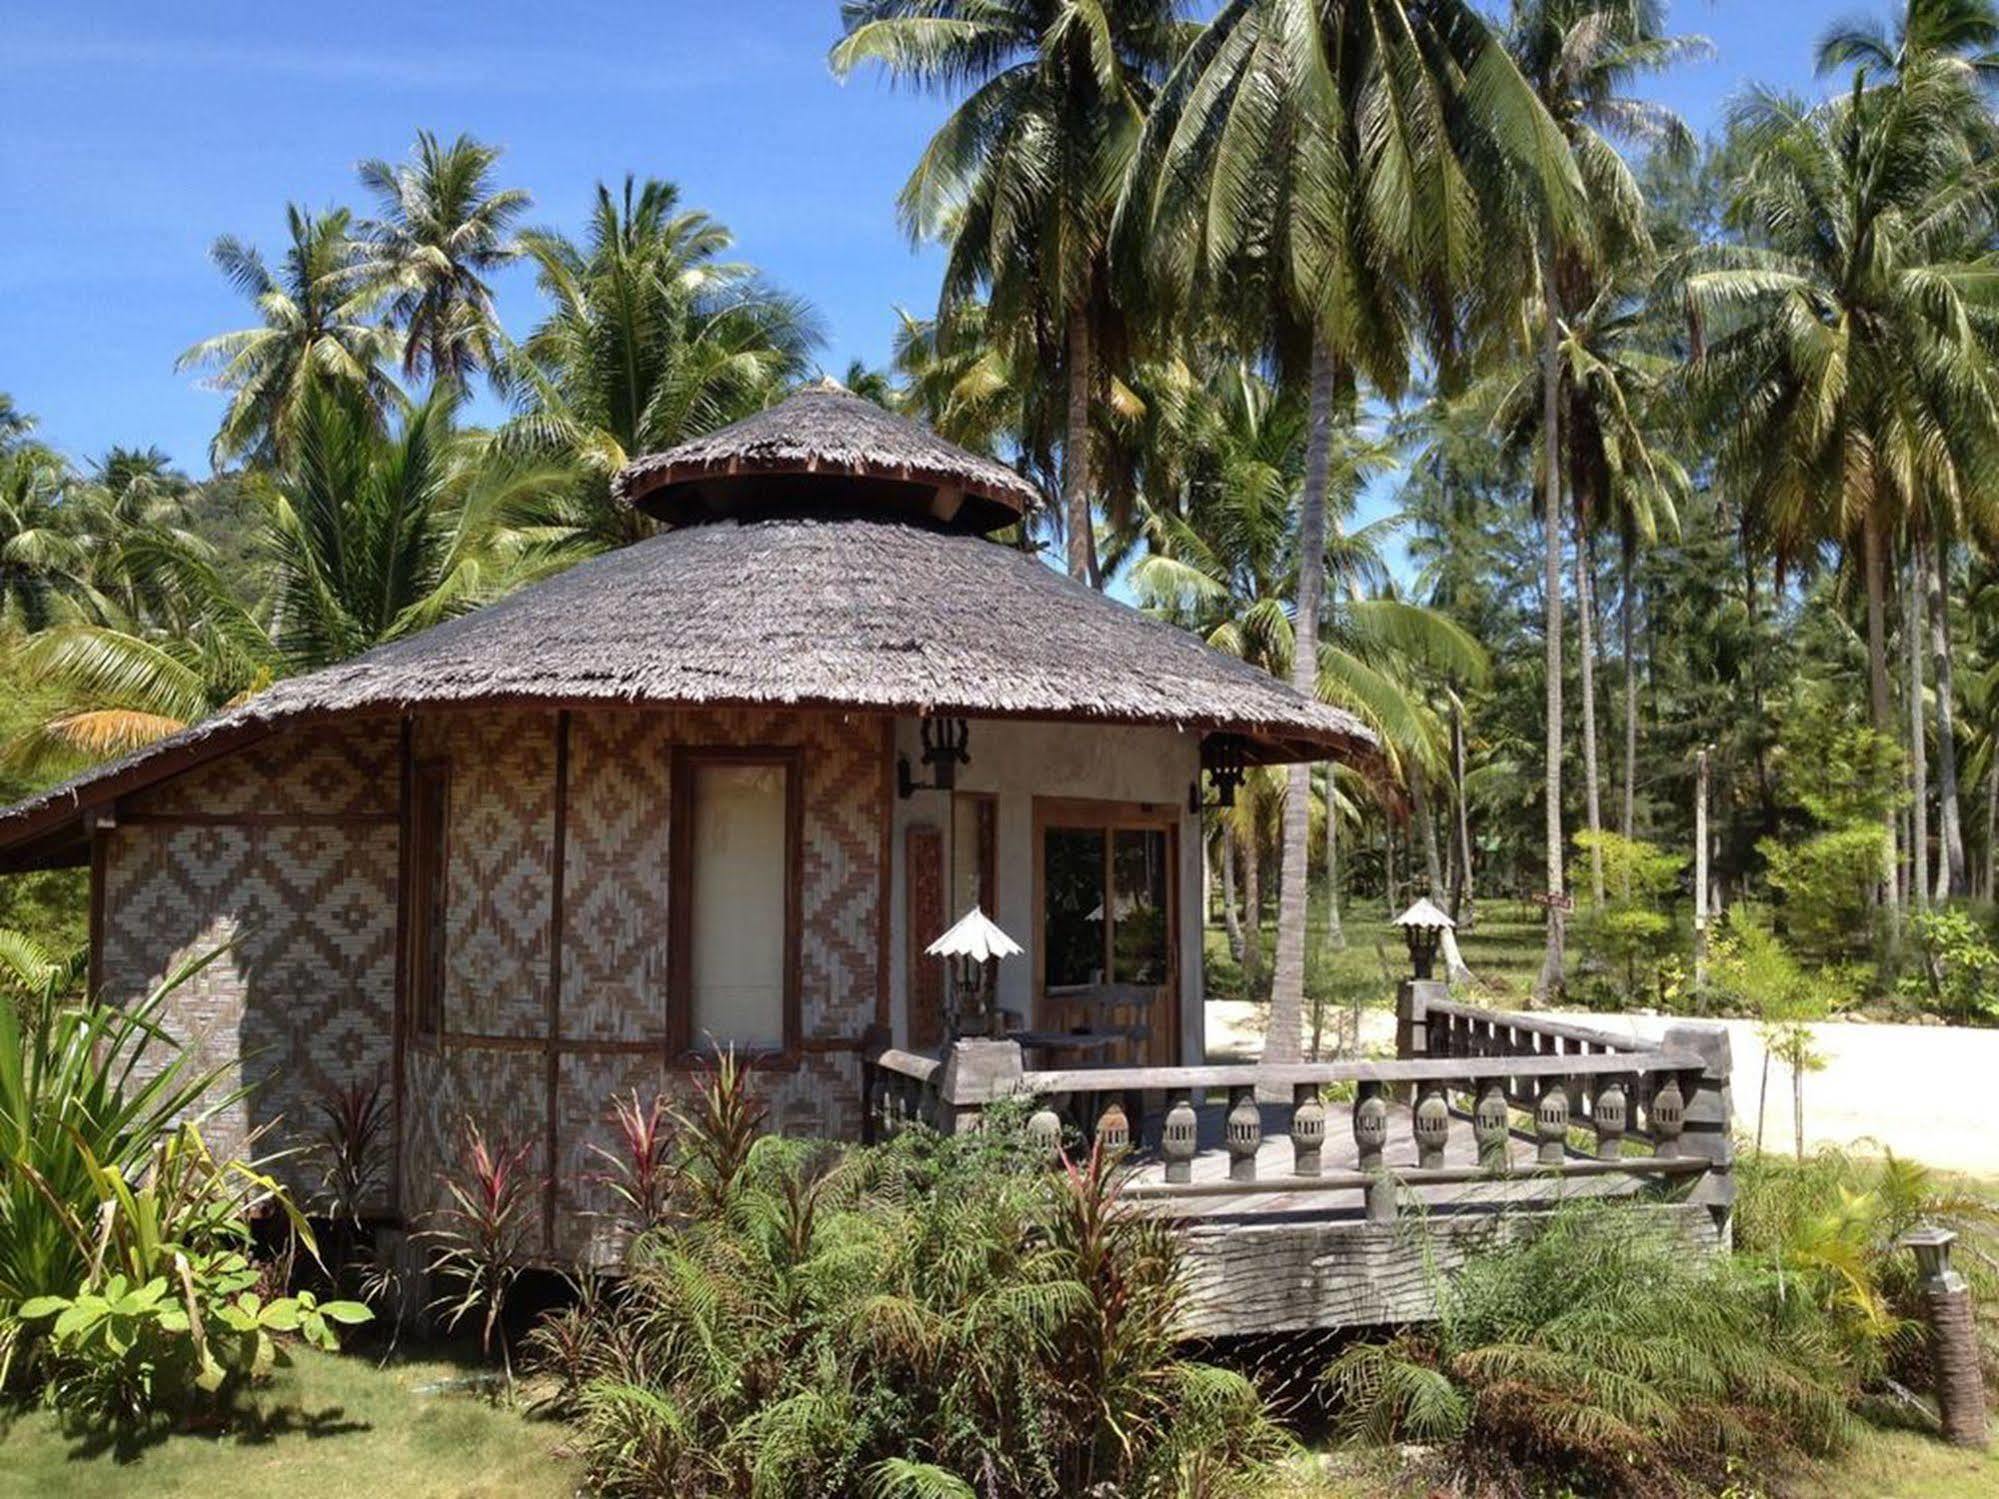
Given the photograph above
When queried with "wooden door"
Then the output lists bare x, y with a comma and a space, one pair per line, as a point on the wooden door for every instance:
1107, 916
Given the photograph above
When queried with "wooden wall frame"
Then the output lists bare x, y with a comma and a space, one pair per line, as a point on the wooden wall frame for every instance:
683, 760
1109, 816
427, 925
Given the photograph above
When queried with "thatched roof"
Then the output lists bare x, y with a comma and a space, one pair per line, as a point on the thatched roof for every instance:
842, 442
867, 614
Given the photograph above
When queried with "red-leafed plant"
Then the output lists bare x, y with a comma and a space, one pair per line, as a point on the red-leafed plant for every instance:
481, 1240
642, 1170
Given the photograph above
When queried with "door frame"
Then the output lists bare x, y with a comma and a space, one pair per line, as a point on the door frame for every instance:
1093, 814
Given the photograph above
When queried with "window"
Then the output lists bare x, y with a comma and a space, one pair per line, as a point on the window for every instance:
430, 802
735, 885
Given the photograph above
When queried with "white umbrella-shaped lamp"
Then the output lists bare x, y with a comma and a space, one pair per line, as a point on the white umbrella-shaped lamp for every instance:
969, 946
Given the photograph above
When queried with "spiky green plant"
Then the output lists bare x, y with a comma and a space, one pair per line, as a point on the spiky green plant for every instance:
1596, 1353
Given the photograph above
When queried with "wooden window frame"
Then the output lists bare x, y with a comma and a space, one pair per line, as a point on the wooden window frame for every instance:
429, 908
683, 761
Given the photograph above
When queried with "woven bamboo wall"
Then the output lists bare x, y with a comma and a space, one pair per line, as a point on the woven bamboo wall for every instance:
303, 882
495, 1067
304, 1003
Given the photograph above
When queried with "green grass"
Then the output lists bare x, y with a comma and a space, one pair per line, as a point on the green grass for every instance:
327, 1427
1904, 1465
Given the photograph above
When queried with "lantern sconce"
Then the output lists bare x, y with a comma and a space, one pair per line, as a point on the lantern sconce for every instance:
1227, 767
1423, 927
945, 747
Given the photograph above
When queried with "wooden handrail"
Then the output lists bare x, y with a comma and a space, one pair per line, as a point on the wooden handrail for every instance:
1537, 1025
1417, 1176
1414, 1070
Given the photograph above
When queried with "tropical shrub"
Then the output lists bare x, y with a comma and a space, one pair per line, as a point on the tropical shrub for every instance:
85, 1090
1827, 1230
1826, 883
168, 1316
1623, 942
938, 1316
1959, 974
1596, 1356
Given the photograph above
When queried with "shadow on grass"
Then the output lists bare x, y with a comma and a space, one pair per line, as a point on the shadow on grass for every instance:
248, 1424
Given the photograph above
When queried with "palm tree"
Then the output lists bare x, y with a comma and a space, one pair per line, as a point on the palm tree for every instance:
1023, 178
1580, 57
316, 326
1844, 347
1947, 35
443, 229
1221, 559
38, 551
1324, 162
378, 535
652, 338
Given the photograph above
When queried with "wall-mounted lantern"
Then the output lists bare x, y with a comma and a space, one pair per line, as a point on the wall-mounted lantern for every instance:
971, 949
946, 744
1423, 927
1227, 766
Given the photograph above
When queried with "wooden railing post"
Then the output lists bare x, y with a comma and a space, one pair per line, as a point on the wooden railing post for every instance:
1179, 1138
1113, 1127
1370, 1136
1607, 1114
1245, 1134
1551, 1122
1492, 1124
1432, 1125
1708, 1121
1308, 1130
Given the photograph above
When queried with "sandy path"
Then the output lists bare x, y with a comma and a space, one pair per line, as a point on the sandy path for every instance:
1921, 1091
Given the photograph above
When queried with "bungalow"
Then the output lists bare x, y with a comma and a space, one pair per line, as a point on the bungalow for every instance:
722, 787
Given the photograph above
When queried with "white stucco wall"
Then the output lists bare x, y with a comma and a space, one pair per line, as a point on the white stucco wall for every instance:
1017, 762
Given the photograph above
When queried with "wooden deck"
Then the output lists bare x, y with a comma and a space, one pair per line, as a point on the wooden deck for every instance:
1354, 1201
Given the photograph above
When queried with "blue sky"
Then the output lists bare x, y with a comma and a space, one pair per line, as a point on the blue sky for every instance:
136, 133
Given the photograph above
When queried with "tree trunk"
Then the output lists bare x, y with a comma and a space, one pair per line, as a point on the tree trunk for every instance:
1464, 908
1586, 656
1076, 447
1992, 830
1283, 1040
1700, 871
1874, 563
1951, 876
1336, 937
1252, 900
1231, 912
1626, 633
1550, 982
1454, 963
1919, 767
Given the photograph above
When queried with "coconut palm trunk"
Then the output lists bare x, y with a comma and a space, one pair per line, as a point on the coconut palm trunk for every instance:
1627, 630
1952, 882
1076, 447
1252, 910
1464, 908
1873, 547
1919, 775
1454, 963
1231, 912
1335, 939
1549, 983
1586, 658
1284, 1039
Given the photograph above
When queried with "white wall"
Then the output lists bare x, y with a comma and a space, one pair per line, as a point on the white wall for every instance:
1018, 761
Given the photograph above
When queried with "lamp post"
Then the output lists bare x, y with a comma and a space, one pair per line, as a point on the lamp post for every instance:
1953, 1337
1423, 926
969, 948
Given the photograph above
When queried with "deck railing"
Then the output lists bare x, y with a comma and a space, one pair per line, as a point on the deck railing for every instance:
1595, 1105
